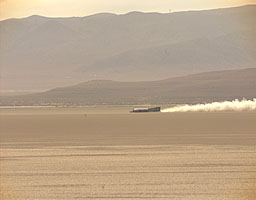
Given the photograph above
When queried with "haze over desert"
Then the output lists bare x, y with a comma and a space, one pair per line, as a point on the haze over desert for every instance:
127, 99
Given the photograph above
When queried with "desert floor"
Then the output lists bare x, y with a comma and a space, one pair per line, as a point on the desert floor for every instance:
109, 153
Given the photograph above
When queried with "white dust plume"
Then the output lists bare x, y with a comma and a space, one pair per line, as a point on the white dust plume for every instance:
236, 105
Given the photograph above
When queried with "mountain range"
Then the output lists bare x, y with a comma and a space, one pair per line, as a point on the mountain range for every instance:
40, 53
196, 88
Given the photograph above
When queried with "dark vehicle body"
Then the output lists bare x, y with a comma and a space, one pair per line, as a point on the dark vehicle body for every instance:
140, 110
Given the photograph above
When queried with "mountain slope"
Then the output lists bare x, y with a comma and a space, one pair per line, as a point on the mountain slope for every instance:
178, 59
210, 86
51, 52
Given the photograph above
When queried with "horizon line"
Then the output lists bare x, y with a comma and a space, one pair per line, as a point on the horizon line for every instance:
120, 14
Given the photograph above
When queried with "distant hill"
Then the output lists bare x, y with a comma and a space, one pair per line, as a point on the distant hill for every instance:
42, 53
202, 87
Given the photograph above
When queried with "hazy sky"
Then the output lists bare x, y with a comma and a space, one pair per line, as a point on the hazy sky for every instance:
67, 8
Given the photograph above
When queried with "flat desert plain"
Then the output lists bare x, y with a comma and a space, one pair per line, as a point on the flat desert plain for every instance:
109, 153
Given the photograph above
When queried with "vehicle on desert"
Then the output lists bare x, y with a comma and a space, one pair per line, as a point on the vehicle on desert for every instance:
139, 110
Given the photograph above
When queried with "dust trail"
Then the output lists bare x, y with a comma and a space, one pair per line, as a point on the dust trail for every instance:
236, 105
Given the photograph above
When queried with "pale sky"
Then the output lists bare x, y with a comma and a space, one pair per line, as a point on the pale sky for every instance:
68, 8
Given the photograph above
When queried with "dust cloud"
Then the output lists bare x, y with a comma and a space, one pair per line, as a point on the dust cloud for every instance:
236, 105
